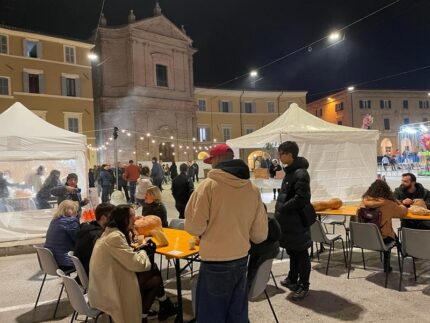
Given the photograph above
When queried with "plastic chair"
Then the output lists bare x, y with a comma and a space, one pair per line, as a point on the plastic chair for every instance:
334, 220
318, 235
48, 265
77, 298
259, 284
415, 244
177, 224
82, 274
367, 236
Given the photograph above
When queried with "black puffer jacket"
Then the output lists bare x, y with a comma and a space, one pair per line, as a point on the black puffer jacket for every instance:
158, 209
295, 195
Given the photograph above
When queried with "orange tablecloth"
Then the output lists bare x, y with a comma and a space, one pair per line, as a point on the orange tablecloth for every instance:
178, 242
351, 210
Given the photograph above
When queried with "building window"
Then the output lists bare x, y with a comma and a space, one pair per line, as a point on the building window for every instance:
70, 87
226, 132
161, 71
202, 105
320, 114
4, 86
203, 133
385, 104
406, 121
249, 130
32, 48
270, 107
3, 44
339, 106
73, 121
69, 54
386, 124
423, 104
405, 104
340, 123
365, 104
33, 83
247, 107
225, 106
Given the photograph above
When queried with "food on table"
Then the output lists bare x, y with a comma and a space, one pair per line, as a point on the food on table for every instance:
334, 204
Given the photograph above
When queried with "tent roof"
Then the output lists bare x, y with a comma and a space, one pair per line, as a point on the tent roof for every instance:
21, 129
296, 121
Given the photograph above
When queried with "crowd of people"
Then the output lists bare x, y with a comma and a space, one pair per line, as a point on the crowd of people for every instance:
236, 233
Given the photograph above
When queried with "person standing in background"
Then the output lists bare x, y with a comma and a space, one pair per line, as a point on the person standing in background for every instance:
157, 173
132, 174
182, 188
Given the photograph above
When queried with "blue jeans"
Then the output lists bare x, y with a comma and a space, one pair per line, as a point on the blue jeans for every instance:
222, 293
132, 188
105, 193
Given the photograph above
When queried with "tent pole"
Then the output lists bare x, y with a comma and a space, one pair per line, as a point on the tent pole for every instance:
115, 153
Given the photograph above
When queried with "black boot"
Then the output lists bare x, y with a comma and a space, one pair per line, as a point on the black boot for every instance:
167, 309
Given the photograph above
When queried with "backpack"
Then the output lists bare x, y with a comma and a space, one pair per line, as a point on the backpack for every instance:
369, 215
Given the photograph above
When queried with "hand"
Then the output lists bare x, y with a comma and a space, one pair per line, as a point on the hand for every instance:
407, 202
70, 189
85, 201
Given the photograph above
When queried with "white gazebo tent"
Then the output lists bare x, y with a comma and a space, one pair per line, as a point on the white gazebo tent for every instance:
25, 137
342, 159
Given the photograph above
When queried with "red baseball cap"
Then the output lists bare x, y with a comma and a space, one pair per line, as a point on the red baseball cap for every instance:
218, 150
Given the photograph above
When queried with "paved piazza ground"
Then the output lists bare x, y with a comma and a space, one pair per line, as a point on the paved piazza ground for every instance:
332, 298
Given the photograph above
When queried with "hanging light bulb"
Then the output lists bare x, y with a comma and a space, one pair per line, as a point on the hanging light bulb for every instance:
141, 138
180, 146
171, 137
194, 139
128, 134
148, 134
163, 143
110, 138
172, 145
153, 141
123, 130
147, 154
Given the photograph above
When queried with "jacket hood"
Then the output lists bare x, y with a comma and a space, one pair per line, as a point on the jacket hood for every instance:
234, 173
299, 162
373, 202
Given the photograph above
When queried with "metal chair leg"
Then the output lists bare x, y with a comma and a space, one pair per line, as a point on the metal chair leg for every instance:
364, 262
282, 253
318, 252
274, 280
401, 273
97, 317
387, 266
73, 317
344, 253
271, 307
415, 268
40, 291
329, 255
58, 301
350, 260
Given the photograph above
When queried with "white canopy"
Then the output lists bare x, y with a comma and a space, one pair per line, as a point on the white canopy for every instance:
342, 159
24, 137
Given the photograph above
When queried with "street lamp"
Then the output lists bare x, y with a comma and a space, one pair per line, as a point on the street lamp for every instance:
253, 73
334, 36
351, 88
93, 57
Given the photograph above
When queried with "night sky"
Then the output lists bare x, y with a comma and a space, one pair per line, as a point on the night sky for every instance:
234, 36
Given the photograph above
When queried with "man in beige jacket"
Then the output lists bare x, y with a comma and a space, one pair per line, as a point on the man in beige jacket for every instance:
226, 211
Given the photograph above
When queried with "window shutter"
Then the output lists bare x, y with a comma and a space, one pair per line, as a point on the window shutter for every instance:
360, 103
41, 83
63, 86
254, 107
389, 104
381, 104
220, 106
39, 49
208, 134
369, 104
25, 82
78, 86
24, 47
230, 106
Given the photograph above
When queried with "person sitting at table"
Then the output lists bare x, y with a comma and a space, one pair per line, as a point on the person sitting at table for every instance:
44, 194
89, 232
409, 191
61, 234
379, 195
265, 250
114, 286
154, 206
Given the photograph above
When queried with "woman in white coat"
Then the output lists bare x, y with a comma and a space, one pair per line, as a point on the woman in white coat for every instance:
113, 285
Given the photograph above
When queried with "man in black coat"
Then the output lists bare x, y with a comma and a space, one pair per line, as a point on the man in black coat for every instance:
406, 193
182, 188
90, 232
296, 238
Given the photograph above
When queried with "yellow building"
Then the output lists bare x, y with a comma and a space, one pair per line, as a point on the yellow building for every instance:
51, 76
228, 114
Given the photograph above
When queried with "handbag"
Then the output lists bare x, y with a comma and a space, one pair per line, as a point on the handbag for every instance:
308, 215
149, 248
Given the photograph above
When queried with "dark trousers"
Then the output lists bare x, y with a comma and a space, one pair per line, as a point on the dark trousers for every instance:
151, 286
300, 267
43, 204
105, 193
181, 210
125, 189
222, 293
132, 186
196, 177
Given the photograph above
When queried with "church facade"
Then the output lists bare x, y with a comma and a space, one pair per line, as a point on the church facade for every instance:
144, 86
